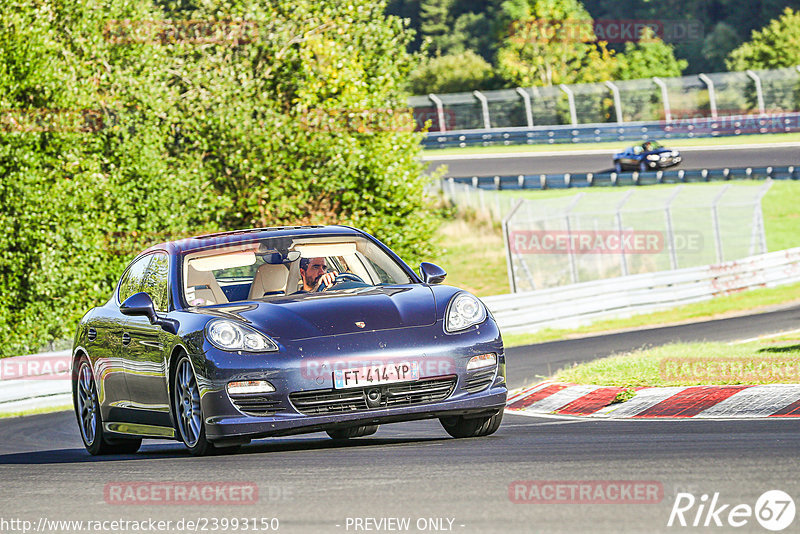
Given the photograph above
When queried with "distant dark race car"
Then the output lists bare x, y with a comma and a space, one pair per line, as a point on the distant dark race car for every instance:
220, 339
649, 156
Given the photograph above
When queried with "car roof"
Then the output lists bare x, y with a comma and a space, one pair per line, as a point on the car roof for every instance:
220, 239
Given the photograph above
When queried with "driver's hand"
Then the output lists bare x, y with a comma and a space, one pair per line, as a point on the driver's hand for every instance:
326, 279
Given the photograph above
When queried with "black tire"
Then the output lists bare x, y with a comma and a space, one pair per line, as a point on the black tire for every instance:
189, 420
460, 427
617, 166
352, 432
642, 167
90, 420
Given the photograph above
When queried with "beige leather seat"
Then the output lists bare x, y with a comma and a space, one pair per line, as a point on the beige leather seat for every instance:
269, 280
205, 288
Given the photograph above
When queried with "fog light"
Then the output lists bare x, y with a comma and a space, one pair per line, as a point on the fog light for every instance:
250, 387
484, 360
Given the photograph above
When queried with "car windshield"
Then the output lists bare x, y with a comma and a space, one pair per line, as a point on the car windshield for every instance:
652, 145
279, 266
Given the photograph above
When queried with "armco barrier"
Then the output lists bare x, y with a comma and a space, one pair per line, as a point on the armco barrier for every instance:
36, 381
618, 132
577, 304
610, 179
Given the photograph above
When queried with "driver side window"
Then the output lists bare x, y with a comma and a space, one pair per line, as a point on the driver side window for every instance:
133, 278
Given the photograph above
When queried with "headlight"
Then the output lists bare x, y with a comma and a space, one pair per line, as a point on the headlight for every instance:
229, 335
653, 156
675, 153
464, 311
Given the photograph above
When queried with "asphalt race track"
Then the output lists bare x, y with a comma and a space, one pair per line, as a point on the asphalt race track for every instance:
601, 161
414, 470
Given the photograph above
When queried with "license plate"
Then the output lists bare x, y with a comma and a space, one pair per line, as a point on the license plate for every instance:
375, 374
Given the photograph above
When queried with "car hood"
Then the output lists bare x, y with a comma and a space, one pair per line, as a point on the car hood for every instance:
308, 315
660, 151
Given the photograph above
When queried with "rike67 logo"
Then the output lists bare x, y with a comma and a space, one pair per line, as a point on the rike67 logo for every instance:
774, 510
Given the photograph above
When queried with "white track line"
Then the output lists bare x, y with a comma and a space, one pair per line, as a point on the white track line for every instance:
765, 336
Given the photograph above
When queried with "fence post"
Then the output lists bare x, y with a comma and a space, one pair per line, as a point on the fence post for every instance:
512, 281
573, 267
758, 234
712, 95
526, 98
715, 223
620, 229
673, 254
664, 97
439, 111
487, 123
759, 91
573, 115
617, 101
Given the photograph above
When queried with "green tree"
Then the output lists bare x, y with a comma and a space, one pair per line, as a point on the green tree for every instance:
436, 25
451, 73
647, 58
127, 126
717, 45
549, 42
774, 46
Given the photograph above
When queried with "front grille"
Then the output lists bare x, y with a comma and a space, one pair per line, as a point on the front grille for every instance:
325, 401
258, 405
479, 380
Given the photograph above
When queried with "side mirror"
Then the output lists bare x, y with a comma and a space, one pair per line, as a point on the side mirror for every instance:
141, 304
431, 274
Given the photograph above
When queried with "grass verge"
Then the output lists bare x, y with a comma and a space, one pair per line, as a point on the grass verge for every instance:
767, 361
770, 139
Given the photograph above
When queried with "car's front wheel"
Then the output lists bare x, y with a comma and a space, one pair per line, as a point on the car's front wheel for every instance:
461, 427
617, 166
188, 412
642, 167
87, 410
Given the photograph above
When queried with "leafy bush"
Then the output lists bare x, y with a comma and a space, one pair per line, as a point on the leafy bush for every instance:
451, 73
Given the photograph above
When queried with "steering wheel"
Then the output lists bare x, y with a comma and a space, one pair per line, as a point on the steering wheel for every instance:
342, 277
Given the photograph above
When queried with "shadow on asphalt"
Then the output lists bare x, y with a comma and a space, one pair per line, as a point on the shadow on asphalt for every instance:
176, 450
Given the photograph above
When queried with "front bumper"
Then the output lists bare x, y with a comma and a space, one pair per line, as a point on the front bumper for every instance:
664, 163
305, 368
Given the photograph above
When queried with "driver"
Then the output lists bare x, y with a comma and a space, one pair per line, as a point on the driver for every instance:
312, 274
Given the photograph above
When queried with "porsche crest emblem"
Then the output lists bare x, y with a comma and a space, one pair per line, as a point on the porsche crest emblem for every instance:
361, 324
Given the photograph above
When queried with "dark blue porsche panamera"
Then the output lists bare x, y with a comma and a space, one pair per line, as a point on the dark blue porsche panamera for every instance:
220, 339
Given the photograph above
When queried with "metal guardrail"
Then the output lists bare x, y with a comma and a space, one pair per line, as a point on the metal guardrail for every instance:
729, 126
35, 381
573, 305
612, 179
